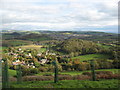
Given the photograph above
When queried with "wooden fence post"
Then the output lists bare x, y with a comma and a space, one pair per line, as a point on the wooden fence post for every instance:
19, 74
93, 70
5, 76
55, 71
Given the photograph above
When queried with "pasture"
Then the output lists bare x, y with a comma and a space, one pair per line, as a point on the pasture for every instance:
114, 71
11, 72
1, 50
113, 83
92, 56
12, 43
80, 72
104, 46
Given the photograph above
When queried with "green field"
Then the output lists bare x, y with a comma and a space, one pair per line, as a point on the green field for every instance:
80, 72
1, 48
92, 56
68, 84
39, 39
42, 49
15, 42
112, 83
11, 72
104, 46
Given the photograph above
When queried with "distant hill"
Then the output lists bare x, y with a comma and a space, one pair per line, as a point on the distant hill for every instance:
59, 35
77, 46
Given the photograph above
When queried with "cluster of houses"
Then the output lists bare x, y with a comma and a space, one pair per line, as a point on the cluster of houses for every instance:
15, 54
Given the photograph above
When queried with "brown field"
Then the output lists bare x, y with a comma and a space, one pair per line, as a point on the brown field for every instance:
37, 47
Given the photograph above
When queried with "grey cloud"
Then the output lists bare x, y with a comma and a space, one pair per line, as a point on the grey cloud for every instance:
28, 12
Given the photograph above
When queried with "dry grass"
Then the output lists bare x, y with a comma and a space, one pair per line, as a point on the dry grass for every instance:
37, 47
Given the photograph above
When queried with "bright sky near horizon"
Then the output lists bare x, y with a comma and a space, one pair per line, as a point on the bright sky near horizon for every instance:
85, 15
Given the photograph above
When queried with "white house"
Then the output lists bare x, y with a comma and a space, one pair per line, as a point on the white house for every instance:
43, 61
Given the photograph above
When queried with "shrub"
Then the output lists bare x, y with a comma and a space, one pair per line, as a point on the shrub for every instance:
47, 74
37, 78
81, 77
29, 71
104, 72
12, 79
37, 64
25, 72
50, 69
87, 73
65, 77
42, 69
103, 75
98, 72
109, 76
33, 70
59, 67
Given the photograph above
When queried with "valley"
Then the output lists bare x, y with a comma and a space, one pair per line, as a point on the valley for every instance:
36, 51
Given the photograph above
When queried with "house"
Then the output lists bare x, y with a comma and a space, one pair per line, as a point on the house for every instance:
52, 54
43, 61
17, 62
19, 49
39, 54
33, 66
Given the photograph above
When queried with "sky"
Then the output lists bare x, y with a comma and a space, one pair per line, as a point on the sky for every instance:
57, 15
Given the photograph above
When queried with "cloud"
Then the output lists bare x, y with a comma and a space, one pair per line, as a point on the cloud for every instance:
54, 14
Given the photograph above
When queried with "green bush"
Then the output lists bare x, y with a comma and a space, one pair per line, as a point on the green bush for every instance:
34, 71
29, 71
37, 64
50, 69
42, 69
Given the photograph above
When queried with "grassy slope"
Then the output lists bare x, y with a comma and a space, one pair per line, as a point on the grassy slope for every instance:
11, 72
92, 56
68, 84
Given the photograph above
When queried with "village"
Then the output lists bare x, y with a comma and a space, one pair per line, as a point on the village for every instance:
28, 57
